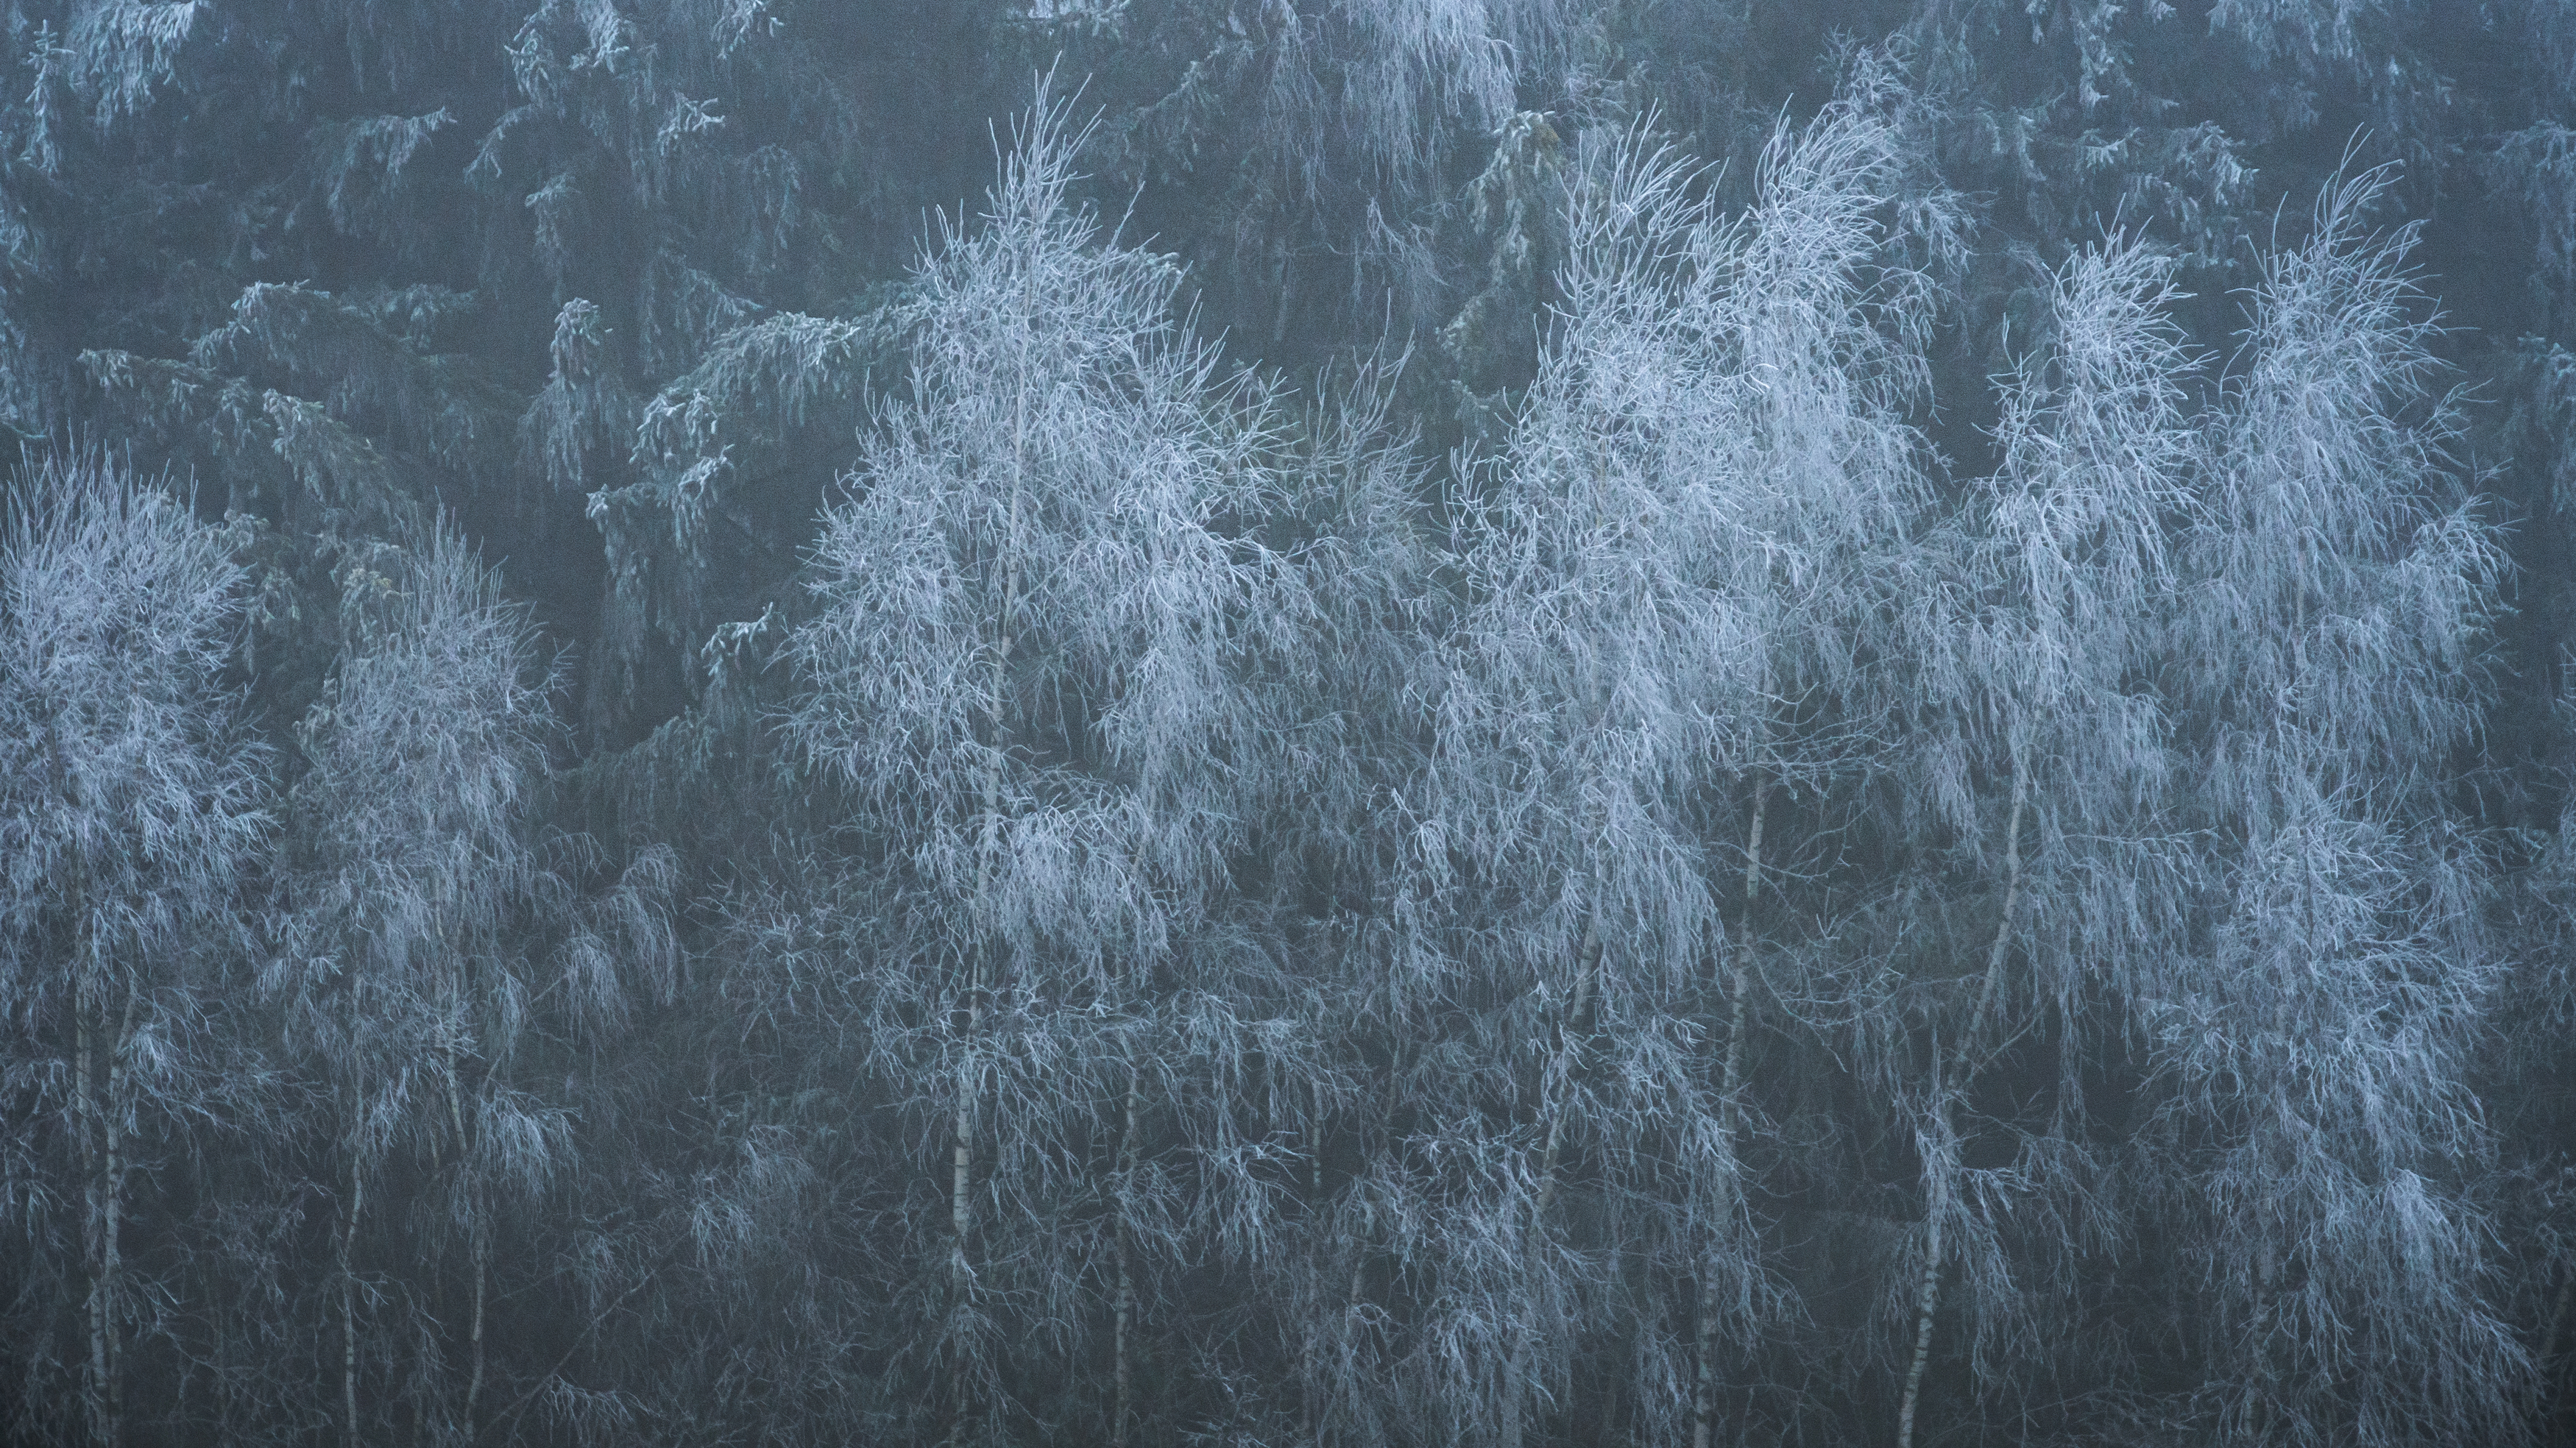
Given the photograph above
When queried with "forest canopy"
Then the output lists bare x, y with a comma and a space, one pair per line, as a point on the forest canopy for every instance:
1287, 722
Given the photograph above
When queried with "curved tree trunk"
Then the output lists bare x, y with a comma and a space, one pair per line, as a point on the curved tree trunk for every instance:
1962, 1075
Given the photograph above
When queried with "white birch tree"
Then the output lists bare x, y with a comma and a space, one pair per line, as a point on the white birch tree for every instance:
2311, 1045
1668, 576
1038, 668
2055, 739
414, 906
130, 805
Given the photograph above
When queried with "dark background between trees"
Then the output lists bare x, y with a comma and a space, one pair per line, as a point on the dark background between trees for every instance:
1231, 721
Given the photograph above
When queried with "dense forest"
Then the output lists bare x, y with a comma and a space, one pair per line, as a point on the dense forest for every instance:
1288, 722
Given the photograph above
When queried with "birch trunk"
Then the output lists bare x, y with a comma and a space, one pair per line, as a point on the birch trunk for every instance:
349, 1303
111, 1225
1730, 1081
2543, 1412
1552, 1089
997, 722
1561, 1067
1962, 1074
961, 1212
1311, 1424
87, 1129
85, 1132
482, 1249
1126, 1270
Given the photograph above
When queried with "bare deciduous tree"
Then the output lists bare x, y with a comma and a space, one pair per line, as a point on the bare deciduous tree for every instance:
2065, 588
1674, 559
130, 804
1038, 667
414, 905
2311, 1042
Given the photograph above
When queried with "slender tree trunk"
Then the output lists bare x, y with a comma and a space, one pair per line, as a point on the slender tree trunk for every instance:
88, 1003
349, 1302
1995, 955
997, 721
1704, 1380
1560, 1069
98, 1128
482, 1250
961, 1209
2557, 1321
1730, 1081
1928, 1300
1311, 1427
1126, 1269
961, 1169
89, 1132
111, 1218
455, 1107
1287, 289
226, 1400
1125, 1371
2543, 1408
1552, 1090
85, 1134
477, 1230
1734, 1076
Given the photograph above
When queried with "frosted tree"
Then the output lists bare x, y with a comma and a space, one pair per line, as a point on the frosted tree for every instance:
1668, 565
2054, 732
1286, 1086
2311, 1045
1036, 666
416, 899
130, 805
